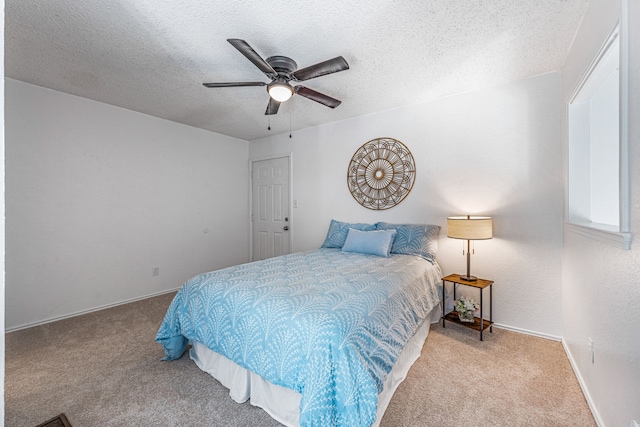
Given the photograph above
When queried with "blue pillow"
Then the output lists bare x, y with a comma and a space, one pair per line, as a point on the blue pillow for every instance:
376, 242
337, 233
414, 239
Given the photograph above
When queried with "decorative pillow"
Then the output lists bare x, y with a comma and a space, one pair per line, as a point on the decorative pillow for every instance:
414, 239
376, 242
337, 233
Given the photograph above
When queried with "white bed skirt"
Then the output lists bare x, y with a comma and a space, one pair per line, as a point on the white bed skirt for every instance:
283, 404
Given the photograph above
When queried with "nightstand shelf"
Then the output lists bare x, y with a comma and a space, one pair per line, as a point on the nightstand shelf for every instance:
453, 317
480, 284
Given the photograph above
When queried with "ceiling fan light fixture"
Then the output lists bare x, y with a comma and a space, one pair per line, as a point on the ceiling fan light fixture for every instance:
280, 90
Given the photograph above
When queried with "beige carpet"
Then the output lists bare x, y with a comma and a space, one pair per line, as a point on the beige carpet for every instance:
104, 369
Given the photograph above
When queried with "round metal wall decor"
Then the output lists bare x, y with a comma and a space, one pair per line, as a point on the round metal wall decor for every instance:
381, 173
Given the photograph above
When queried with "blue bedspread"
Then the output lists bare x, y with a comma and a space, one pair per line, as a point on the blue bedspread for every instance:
325, 323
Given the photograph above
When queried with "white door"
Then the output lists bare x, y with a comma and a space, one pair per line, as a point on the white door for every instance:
270, 208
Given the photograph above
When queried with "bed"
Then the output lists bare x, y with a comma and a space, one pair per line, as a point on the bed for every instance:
315, 338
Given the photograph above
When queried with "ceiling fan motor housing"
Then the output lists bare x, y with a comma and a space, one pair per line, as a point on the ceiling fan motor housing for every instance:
283, 65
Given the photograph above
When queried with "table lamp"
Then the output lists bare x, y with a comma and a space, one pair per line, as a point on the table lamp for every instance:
469, 228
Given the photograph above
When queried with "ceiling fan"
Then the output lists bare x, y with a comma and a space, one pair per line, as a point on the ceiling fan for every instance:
283, 70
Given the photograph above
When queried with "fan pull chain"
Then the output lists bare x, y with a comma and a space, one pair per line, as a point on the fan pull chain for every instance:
290, 108
269, 115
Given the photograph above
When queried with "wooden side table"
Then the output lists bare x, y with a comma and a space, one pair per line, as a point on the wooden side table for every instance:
479, 324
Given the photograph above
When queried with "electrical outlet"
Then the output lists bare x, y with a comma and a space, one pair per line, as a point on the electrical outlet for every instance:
295, 204
592, 351
155, 271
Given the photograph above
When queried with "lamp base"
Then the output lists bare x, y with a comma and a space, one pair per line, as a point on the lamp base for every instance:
469, 278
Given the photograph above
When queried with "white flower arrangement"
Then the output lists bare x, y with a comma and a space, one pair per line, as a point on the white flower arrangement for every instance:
466, 307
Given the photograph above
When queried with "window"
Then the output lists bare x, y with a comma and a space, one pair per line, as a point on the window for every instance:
598, 201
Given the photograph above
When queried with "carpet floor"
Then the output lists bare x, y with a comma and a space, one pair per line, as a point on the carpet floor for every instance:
104, 369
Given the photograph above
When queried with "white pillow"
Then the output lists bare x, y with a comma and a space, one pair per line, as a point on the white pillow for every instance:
375, 242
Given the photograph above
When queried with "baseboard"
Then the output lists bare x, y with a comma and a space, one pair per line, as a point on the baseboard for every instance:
91, 310
583, 386
528, 332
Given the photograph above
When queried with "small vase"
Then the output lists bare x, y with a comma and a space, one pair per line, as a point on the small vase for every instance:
466, 316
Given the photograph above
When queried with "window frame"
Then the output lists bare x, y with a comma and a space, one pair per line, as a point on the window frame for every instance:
619, 236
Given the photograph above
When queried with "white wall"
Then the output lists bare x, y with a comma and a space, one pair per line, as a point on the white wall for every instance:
601, 283
96, 196
493, 152
2, 221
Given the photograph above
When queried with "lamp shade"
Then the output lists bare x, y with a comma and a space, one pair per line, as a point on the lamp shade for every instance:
470, 227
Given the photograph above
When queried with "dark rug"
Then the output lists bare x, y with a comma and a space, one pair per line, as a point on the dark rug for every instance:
59, 421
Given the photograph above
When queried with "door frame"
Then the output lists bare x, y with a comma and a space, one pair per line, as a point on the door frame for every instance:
289, 156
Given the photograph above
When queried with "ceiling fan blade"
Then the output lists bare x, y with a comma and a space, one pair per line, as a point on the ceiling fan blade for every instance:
253, 56
322, 68
234, 84
272, 107
317, 96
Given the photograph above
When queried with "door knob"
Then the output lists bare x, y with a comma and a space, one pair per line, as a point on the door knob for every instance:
285, 228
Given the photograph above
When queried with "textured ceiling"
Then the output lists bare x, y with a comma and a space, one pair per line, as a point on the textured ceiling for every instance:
151, 56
